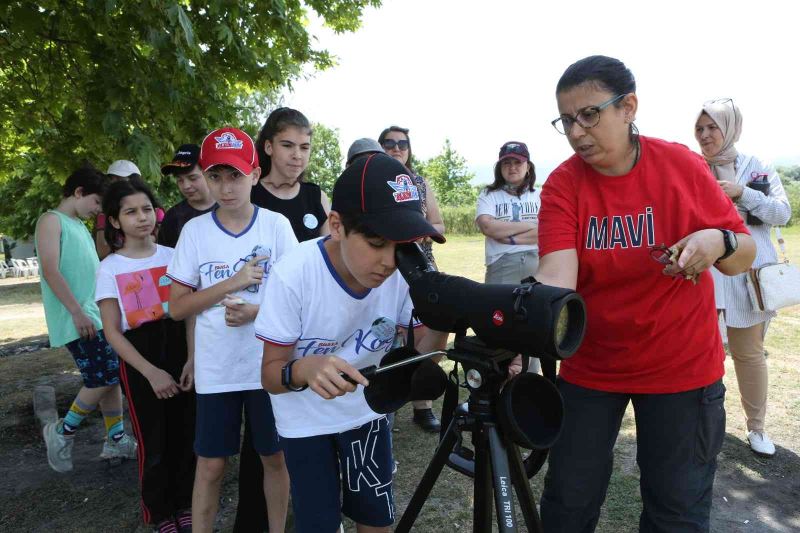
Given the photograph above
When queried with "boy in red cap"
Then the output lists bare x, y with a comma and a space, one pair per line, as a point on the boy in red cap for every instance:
221, 261
334, 305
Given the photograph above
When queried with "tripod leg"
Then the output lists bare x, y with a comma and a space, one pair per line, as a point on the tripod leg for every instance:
523, 488
428, 479
504, 500
482, 484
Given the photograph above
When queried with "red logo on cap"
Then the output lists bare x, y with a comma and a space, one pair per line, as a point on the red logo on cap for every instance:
498, 318
404, 189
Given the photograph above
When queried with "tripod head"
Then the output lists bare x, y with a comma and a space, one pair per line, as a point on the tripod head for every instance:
528, 407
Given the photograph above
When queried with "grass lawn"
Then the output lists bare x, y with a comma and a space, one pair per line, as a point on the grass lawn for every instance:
21, 312
751, 494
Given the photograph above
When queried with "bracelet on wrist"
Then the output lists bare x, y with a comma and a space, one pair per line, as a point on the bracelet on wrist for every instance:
511, 239
286, 377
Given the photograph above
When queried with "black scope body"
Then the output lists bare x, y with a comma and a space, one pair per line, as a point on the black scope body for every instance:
529, 318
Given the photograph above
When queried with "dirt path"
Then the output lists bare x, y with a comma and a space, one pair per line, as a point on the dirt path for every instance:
94, 496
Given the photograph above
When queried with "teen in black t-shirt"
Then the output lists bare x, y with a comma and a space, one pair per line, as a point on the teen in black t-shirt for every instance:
192, 185
284, 148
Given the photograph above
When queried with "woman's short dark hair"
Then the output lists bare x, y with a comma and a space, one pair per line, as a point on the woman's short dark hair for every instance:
88, 178
608, 73
277, 121
526, 185
112, 202
404, 131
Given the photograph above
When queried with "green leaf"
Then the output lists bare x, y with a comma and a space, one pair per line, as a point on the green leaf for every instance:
186, 25
224, 33
100, 80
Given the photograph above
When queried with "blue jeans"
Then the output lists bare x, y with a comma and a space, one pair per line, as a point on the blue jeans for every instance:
678, 437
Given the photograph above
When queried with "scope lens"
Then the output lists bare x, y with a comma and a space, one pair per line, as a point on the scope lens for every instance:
569, 324
562, 325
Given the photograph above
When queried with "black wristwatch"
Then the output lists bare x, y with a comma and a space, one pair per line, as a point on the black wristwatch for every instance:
731, 244
286, 377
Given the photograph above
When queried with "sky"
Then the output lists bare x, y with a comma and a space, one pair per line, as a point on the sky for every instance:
483, 73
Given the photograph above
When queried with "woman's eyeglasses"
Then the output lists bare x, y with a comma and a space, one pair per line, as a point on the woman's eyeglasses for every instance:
666, 255
389, 144
662, 253
588, 117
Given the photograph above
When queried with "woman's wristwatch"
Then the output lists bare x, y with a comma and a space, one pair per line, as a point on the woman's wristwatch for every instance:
731, 244
511, 239
286, 377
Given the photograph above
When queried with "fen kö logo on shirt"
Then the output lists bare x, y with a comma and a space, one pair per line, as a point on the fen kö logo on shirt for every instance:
316, 346
376, 339
228, 141
404, 189
623, 231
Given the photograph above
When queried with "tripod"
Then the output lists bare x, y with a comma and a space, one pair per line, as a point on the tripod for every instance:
498, 462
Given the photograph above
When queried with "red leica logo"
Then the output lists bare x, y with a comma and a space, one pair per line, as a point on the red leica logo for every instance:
498, 318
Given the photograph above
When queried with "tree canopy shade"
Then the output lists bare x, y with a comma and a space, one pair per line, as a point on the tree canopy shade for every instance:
100, 80
450, 177
325, 164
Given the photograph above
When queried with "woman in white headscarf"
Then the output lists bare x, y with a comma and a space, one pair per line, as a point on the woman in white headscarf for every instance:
756, 190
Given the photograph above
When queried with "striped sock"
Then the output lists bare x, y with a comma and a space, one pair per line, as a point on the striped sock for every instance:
77, 412
114, 428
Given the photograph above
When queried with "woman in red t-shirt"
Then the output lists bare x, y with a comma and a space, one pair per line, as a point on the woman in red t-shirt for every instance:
633, 224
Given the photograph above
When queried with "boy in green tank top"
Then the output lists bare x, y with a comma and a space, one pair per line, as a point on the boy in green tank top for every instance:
68, 263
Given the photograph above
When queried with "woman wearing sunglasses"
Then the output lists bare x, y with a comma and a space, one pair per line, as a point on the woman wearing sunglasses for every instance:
395, 142
756, 190
652, 337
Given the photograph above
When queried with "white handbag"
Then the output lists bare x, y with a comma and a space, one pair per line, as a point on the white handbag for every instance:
775, 285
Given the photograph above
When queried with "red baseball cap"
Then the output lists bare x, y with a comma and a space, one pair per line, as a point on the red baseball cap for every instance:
231, 147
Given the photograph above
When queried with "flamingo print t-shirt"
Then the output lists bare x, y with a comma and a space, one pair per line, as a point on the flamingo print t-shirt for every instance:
140, 286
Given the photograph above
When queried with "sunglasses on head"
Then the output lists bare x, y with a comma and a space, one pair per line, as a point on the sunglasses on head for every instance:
514, 148
389, 144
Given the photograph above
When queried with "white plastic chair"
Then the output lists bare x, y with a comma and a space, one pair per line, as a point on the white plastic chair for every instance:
33, 263
3, 269
21, 268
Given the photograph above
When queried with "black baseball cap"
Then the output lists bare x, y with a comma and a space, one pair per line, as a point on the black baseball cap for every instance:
186, 156
381, 190
516, 150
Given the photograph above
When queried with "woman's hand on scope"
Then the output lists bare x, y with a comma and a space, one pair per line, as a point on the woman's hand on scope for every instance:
515, 367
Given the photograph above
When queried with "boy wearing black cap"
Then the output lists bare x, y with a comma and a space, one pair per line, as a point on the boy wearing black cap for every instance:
192, 186
333, 306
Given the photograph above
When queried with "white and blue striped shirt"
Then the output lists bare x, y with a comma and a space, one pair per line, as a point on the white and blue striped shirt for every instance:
774, 210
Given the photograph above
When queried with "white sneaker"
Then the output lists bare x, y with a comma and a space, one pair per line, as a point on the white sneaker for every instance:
59, 447
124, 448
760, 443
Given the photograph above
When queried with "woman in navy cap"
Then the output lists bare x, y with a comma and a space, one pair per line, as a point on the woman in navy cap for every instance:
508, 215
